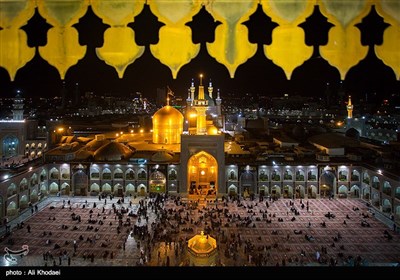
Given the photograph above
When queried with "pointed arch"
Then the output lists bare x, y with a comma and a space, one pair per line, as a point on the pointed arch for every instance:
130, 174
53, 188
130, 189
342, 191
34, 179
387, 188
106, 188
232, 190
65, 189
287, 191
202, 170
34, 196
327, 183
94, 189
157, 182
355, 191
118, 189
94, 173
23, 202
300, 191
106, 174
54, 174
23, 185
11, 190
276, 191
142, 190
118, 174
12, 209
43, 175
312, 191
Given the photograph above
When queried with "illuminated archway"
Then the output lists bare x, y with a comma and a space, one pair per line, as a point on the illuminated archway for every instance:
355, 191
12, 209
232, 190
34, 196
106, 188
264, 190
157, 182
202, 174
12, 189
386, 206
130, 189
288, 191
343, 190
43, 189
141, 190
247, 183
53, 189
80, 182
312, 191
23, 202
118, 189
276, 191
300, 191
65, 189
94, 189
327, 184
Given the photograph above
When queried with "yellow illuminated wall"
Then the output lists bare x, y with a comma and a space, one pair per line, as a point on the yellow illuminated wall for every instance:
63, 49
119, 49
175, 47
288, 49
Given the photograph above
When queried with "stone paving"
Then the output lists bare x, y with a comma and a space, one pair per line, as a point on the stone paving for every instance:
269, 235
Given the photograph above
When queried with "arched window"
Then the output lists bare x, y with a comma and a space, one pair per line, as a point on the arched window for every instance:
366, 178
300, 175
142, 175
397, 192
23, 185
275, 176
263, 175
376, 184
387, 188
94, 173
106, 174
118, 174
54, 174
355, 175
130, 174
232, 175
34, 179
65, 174
12, 189
342, 175
172, 174
288, 175
43, 175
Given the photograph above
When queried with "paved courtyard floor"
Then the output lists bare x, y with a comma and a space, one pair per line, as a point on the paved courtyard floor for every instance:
86, 232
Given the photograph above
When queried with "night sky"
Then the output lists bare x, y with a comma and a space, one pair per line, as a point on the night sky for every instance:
258, 76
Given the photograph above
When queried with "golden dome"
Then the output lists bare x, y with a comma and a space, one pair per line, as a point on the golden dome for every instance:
167, 111
167, 126
212, 130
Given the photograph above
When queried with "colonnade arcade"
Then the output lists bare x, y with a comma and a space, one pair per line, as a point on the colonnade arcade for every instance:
308, 182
